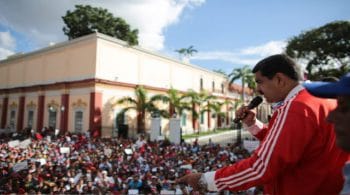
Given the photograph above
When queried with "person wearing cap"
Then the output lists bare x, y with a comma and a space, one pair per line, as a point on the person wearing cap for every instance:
340, 116
297, 152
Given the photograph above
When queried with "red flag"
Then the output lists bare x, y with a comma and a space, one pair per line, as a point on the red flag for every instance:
38, 136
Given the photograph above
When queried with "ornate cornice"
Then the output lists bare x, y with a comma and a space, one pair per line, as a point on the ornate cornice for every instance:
13, 105
53, 105
31, 104
79, 104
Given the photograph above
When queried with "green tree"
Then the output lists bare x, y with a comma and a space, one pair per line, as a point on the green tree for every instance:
326, 50
186, 52
141, 104
85, 20
246, 76
175, 100
206, 104
195, 101
217, 107
230, 105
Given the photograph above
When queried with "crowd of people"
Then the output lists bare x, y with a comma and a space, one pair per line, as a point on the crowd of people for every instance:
80, 164
300, 151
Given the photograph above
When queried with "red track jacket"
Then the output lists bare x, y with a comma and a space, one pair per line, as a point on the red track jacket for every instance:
297, 154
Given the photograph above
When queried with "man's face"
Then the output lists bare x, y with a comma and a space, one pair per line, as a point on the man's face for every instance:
269, 88
340, 117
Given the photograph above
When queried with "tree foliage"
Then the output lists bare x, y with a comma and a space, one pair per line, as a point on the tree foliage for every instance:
326, 50
175, 100
141, 104
186, 52
85, 20
246, 75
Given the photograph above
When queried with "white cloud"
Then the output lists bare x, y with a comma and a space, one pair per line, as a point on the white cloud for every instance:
272, 47
41, 20
4, 53
7, 44
249, 56
7, 41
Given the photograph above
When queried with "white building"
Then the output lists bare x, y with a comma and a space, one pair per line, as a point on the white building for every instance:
74, 85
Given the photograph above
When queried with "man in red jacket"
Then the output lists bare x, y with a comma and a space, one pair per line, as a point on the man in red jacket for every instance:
297, 153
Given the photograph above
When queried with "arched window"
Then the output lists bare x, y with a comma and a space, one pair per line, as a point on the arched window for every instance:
201, 84
31, 107
52, 117
78, 121
13, 119
30, 120
79, 108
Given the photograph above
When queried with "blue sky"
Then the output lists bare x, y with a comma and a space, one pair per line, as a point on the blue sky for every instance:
227, 33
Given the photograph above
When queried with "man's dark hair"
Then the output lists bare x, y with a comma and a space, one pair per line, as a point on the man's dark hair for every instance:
271, 65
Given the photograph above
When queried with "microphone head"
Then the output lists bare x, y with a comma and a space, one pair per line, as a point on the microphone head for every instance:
255, 102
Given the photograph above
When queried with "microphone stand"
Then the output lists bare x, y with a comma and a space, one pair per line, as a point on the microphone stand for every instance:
239, 134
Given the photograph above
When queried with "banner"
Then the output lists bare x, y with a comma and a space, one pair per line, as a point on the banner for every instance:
20, 166
64, 150
128, 151
13, 144
25, 143
108, 152
133, 192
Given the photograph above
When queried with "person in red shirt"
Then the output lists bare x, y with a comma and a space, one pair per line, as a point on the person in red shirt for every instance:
340, 116
297, 152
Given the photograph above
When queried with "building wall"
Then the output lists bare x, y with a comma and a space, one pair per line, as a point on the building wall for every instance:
94, 72
120, 63
59, 64
126, 65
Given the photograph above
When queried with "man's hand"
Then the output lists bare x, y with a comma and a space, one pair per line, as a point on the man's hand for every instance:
247, 116
191, 179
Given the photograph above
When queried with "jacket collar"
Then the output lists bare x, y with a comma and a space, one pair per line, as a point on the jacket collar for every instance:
290, 95
294, 92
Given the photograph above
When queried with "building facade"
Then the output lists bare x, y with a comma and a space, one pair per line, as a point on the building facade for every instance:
73, 86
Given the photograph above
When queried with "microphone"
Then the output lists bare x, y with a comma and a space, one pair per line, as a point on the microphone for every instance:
252, 104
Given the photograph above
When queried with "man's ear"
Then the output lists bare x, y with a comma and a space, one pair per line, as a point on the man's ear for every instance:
280, 78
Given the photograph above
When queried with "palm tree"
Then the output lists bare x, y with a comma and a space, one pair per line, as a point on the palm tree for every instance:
206, 104
217, 107
181, 52
141, 104
229, 105
195, 101
246, 75
235, 106
176, 102
186, 52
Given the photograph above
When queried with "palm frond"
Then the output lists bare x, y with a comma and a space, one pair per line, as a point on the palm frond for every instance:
159, 97
126, 100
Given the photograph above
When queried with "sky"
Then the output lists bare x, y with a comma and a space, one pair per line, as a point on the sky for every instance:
227, 34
